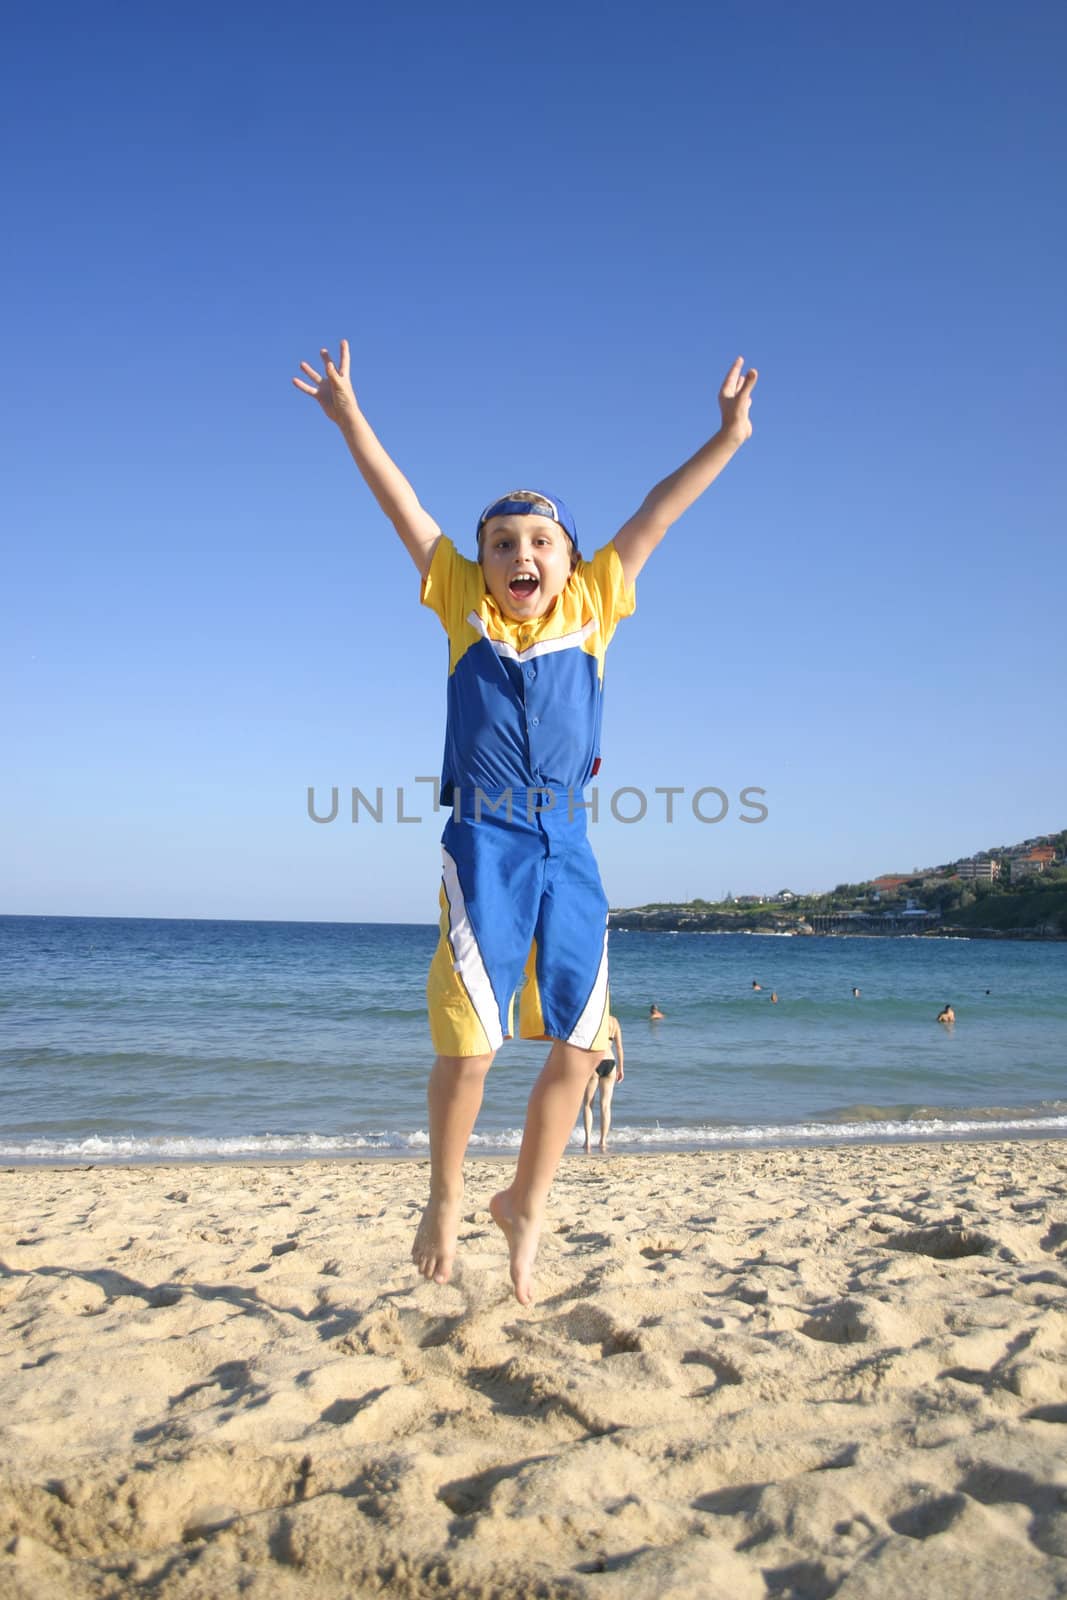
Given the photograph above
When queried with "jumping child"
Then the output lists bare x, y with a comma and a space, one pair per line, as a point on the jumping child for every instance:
528, 625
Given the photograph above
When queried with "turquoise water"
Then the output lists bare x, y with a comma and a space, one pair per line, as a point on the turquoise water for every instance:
139, 1039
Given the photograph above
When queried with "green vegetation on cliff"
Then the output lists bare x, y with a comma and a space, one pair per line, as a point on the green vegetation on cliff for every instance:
1037, 907
936, 900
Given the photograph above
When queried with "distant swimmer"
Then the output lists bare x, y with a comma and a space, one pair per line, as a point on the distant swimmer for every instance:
756, 985
654, 1013
774, 997
855, 994
946, 1014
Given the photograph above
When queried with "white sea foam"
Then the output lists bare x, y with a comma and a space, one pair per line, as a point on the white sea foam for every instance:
395, 1142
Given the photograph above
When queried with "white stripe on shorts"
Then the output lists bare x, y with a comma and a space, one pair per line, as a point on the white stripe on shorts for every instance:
468, 958
588, 1024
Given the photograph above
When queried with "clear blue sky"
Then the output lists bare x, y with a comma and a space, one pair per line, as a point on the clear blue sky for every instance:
546, 232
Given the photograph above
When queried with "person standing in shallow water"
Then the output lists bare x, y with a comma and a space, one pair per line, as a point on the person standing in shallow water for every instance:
654, 1013
528, 625
604, 1079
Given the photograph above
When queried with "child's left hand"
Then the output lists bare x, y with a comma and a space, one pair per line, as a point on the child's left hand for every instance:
735, 397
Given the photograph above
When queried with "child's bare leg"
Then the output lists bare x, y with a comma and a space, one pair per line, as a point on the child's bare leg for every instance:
587, 1109
550, 1116
607, 1088
454, 1097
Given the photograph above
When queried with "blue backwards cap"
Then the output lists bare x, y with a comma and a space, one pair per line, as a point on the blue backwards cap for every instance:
543, 505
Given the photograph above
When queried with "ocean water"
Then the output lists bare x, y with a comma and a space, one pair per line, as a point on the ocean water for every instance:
138, 1040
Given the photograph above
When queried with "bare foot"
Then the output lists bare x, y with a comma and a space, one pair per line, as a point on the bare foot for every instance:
522, 1234
434, 1249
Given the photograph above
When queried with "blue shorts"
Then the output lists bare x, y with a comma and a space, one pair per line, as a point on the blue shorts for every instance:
519, 898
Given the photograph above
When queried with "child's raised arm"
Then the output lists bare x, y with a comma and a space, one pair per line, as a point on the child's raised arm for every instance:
636, 539
383, 477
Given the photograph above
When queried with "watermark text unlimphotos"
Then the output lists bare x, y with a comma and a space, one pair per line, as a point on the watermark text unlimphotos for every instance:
629, 804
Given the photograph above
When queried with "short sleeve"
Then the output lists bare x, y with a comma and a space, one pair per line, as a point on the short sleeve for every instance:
452, 587
611, 596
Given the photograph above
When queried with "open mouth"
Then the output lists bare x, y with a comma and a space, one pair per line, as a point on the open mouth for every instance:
524, 586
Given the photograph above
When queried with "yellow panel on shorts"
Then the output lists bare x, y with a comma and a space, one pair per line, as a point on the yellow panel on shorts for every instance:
532, 1019
454, 1025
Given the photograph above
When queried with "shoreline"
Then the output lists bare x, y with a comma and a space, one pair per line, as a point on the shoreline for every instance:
999, 1132
840, 1363
960, 935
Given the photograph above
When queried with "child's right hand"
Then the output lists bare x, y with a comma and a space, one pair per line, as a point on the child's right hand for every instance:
334, 391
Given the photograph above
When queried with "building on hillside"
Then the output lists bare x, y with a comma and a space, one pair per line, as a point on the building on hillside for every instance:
890, 883
976, 871
784, 896
1033, 862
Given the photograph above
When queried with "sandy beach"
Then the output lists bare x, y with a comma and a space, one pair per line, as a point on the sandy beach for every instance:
789, 1373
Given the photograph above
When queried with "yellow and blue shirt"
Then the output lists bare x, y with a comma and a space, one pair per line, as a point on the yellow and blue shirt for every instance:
520, 892
524, 698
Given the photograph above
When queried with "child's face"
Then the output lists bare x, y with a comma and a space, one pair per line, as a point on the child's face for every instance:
526, 561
